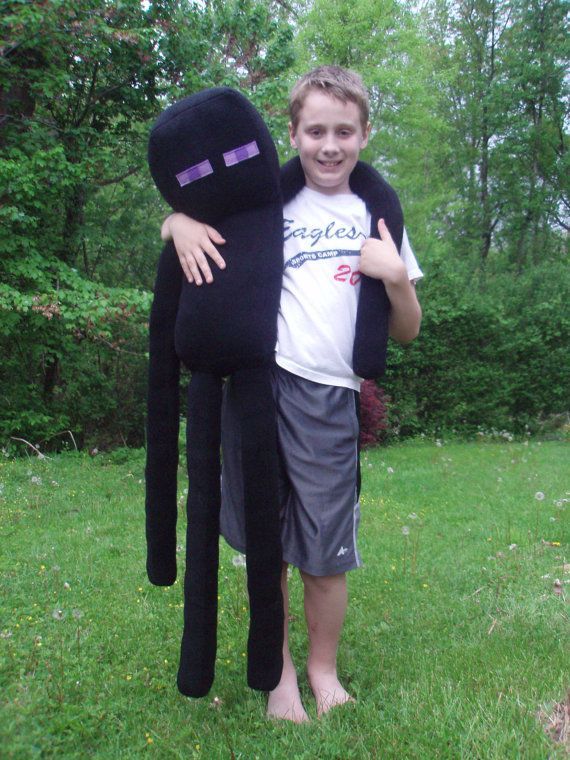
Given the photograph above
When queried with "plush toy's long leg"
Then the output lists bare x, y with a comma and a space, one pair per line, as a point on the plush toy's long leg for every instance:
198, 651
263, 541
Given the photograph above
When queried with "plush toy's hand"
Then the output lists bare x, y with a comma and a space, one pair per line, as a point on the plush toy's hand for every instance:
194, 241
380, 259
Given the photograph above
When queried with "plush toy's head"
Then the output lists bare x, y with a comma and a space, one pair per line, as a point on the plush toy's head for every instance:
211, 155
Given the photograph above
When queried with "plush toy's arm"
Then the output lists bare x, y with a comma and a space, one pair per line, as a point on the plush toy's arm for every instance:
162, 423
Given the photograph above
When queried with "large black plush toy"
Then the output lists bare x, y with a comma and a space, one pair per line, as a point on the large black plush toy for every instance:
212, 158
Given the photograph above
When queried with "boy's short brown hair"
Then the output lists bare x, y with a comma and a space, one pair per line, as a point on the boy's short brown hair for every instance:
343, 84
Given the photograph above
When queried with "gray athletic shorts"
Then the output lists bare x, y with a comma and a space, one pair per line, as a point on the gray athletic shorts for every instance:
318, 492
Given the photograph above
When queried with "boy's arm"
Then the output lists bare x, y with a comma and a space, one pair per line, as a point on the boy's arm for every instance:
193, 241
380, 259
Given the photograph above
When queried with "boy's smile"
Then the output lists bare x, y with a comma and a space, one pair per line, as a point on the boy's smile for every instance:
329, 137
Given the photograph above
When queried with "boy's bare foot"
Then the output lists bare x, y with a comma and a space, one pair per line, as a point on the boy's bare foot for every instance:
284, 701
328, 692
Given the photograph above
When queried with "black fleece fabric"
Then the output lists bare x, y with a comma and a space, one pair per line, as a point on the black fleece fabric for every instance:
212, 157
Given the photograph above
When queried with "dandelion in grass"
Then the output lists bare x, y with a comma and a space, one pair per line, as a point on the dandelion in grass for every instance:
36, 480
239, 560
412, 516
58, 614
539, 496
405, 530
390, 470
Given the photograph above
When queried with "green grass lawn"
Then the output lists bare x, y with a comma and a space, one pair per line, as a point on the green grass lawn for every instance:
456, 643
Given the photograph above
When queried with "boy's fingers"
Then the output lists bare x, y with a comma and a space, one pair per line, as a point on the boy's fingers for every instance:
203, 266
186, 270
214, 235
183, 261
384, 231
214, 254
195, 272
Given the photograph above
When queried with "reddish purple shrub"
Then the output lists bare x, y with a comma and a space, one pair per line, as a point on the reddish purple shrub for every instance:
373, 413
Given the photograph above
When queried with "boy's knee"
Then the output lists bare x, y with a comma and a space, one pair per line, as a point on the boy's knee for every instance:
323, 584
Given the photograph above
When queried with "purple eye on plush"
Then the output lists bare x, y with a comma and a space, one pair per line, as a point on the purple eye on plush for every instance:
235, 156
198, 171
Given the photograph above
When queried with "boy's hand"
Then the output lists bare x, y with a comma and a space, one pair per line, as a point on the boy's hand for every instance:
193, 242
380, 259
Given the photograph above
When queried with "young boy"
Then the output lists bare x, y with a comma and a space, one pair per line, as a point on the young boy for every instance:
314, 384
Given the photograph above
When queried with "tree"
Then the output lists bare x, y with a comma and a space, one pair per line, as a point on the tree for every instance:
506, 97
533, 163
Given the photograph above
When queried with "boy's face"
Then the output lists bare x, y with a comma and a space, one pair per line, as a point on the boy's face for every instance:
329, 137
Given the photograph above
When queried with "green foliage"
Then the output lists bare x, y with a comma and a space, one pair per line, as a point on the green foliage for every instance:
495, 359
74, 359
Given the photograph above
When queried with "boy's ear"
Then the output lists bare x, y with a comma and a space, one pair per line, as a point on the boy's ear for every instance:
365, 136
292, 135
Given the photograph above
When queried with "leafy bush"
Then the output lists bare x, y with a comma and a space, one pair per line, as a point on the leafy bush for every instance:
492, 357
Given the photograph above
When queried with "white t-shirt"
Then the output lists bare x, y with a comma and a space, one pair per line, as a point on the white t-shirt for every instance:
319, 296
